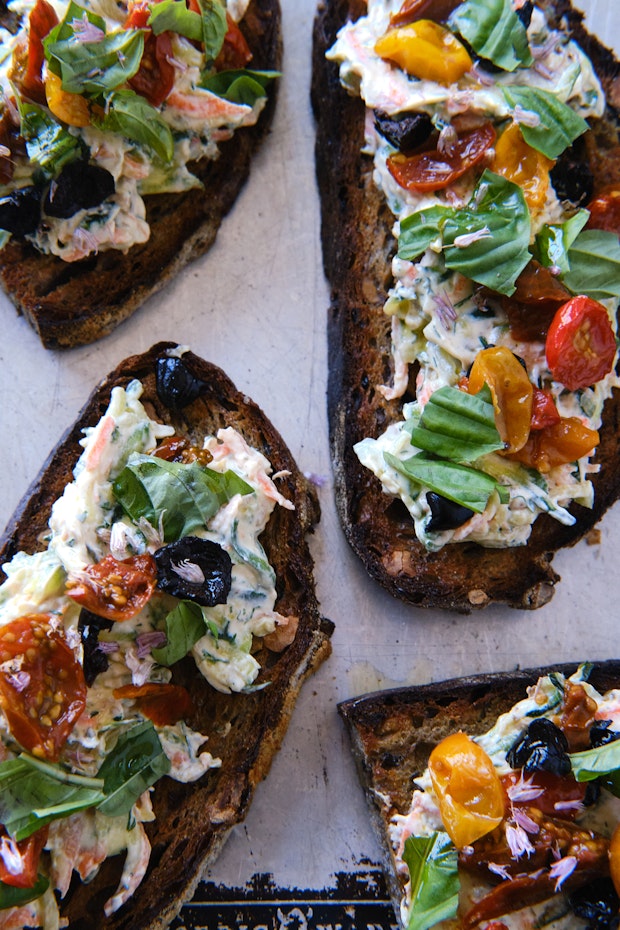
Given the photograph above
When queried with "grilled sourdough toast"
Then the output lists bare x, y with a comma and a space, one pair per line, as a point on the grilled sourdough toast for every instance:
243, 730
358, 248
393, 733
78, 303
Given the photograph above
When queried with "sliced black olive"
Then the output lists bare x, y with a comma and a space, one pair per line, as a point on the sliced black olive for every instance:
194, 569
600, 734
525, 13
79, 186
597, 903
20, 211
176, 385
89, 627
445, 514
543, 748
405, 131
572, 178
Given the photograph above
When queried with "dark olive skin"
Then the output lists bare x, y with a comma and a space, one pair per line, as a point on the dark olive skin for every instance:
206, 559
543, 748
89, 627
572, 179
597, 903
405, 131
20, 211
176, 385
445, 514
79, 186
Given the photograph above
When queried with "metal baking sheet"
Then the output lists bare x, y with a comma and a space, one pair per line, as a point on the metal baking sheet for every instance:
256, 305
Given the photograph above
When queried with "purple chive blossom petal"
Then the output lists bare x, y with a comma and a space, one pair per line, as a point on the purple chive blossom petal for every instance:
524, 790
448, 137
500, 870
145, 642
543, 70
446, 314
107, 647
85, 31
575, 805
318, 480
518, 841
18, 680
524, 820
461, 242
525, 117
561, 869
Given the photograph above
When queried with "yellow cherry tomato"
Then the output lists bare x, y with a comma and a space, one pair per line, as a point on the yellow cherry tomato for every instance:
512, 393
520, 163
72, 109
425, 50
614, 858
468, 789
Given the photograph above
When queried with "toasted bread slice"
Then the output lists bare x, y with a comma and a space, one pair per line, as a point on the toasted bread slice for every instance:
393, 733
78, 303
357, 250
244, 730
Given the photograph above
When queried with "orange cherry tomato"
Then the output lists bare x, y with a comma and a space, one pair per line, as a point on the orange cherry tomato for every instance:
558, 444
581, 345
512, 393
434, 170
162, 703
544, 410
42, 20
72, 109
42, 687
520, 163
23, 872
605, 210
115, 589
468, 789
614, 858
425, 50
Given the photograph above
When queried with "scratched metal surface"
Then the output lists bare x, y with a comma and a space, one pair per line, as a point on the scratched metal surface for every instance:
256, 305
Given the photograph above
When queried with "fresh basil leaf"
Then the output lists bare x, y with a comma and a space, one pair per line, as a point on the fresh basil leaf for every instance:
241, 86
49, 145
135, 764
97, 67
457, 426
174, 16
554, 240
467, 486
594, 260
185, 625
33, 793
65, 29
133, 117
494, 31
602, 762
214, 26
558, 124
433, 868
184, 496
420, 229
10, 896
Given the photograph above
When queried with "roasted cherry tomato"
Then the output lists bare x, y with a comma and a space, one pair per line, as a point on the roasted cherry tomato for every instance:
425, 50
544, 410
512, 393
42, 687
520, 163
42, 20
162, 703
560, 796
605, 210
115, 589
581, 345
23, 871
72, 109
434, 170
614, 859
155, 76
557, 444
468, 789
176, 449
531, 308
412, 10
235, 52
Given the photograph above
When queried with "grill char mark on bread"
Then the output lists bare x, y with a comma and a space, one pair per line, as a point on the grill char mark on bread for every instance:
357, 251
245, 731
393, 733
71, 304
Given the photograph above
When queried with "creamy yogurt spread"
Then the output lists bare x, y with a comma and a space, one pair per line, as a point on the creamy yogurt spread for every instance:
457, 263
123, 508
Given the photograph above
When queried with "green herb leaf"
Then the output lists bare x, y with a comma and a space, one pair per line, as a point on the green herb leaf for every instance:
419, 230
558, 125
214, 26
594, 259
554, 240
135, 764
65, 29
135, 118
467, 486
602, 762
174, 16
185, 625
10, 896
49, 145
433, 868
457, 426
494, 31
97, 67
185, 496
241, 86
33, 793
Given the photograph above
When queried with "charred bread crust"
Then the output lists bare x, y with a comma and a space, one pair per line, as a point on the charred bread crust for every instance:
72, 304
393, 733
357, 250
193, 821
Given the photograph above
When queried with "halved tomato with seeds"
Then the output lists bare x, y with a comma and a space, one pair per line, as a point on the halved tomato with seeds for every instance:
164, 704
113, 588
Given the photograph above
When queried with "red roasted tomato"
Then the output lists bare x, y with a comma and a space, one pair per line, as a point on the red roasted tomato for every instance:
155, 76
115, 589
42, 20
581, 345
434, 170
162, 703
605, 210
23, 873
